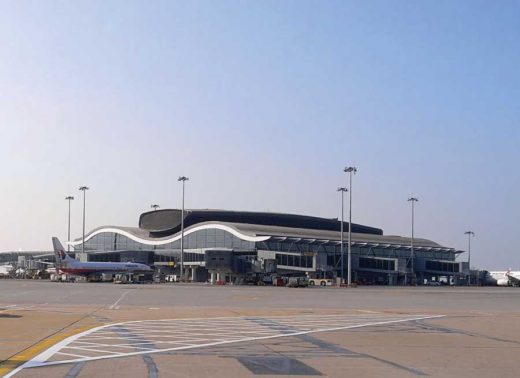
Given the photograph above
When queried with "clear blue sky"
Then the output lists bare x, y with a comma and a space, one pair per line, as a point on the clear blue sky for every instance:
262, 104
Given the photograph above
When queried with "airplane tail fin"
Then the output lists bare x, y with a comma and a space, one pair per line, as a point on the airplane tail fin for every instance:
59, 251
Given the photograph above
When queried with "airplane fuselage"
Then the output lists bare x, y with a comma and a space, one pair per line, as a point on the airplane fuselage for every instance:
89, 268
505, 278
68, 265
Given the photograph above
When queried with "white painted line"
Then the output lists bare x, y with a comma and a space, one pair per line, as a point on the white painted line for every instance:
128, 345
187, 342
158, 336
16, 308
111, 345
120, 298
72, 355
42, 358
180, 333
116, 338
312, 321
94, 350
238, 332
194, 325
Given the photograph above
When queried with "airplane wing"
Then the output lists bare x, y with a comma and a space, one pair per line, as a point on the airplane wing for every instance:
46, 263
513, 279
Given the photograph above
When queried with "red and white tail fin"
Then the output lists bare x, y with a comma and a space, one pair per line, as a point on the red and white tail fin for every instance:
59, 252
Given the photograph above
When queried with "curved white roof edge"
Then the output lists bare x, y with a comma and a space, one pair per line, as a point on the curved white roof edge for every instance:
175, 238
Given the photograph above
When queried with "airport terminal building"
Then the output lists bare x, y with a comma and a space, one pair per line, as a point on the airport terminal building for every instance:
234, 246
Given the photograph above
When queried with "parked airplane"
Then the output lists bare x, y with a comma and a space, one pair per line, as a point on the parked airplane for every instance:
5, 270
505, 278
72, 266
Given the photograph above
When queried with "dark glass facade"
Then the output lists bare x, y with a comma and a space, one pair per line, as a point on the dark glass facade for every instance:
376, 264
442, 266
297, 261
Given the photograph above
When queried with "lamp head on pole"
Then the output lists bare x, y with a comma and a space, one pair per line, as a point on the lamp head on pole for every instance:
342, 189
413, 199
470, 233
83, 188
183, 178
350, 169
69, 198
155, 207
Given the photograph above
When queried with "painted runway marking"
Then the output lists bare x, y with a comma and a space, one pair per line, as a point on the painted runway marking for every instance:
26, 308
70, 354
115, 305
369, 312
156, 336
16, 308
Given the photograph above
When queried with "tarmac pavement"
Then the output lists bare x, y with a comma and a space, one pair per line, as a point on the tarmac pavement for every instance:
69, 330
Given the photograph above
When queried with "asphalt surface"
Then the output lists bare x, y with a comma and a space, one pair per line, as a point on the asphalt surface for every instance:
200, 330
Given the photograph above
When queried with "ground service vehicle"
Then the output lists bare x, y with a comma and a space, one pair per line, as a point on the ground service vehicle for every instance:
133, 278
320, 282
297, 282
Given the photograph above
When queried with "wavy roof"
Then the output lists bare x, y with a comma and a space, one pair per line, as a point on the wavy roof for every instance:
259, 233
168, 221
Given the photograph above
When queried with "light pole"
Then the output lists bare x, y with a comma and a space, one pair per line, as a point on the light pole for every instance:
470, 234
68, 198
84, 190
413, 200
350, 171
183, 179
155, 207
342, 190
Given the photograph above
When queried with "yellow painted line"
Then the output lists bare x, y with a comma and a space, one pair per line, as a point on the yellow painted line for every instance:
26, 355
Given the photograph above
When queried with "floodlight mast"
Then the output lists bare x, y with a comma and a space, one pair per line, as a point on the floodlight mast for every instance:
68, 198
155, 207
342, 190
183, 179
413, 200
84, 190
470, 235
350, 171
